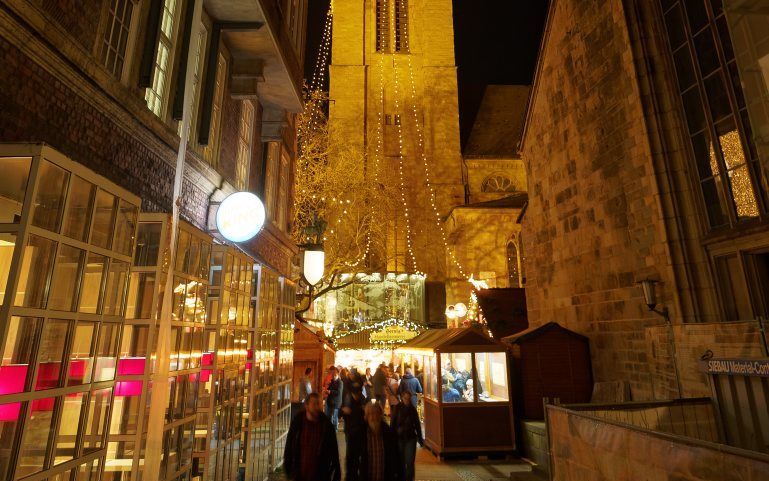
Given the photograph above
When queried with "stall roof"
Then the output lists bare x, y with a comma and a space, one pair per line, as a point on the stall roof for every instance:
452, 340
534, 332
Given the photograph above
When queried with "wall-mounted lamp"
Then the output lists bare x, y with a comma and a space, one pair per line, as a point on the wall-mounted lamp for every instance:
649, 288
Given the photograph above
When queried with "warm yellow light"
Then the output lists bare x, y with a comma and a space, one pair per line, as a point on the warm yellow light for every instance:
314, 265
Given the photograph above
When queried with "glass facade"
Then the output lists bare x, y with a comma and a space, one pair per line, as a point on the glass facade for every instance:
65, 259
96, 383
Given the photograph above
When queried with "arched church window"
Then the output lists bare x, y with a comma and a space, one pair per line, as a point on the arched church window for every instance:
497, 183
513, 268
521, 259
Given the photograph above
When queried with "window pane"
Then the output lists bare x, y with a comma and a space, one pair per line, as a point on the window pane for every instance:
78, 209
92, 280
17, 356
37, 437
103, 218
72, 406
147, 244
66, 278
115, 290
695, 116
50, 354
492, 376
457, 370
81, 358
7, 246
718, 101
182, 248
9, 420
36, 268
674, 21
125, 227
698, 16
140, 292
684, 68
49, 200
98, 407
14, 173
705, 50
713, 203
106, 352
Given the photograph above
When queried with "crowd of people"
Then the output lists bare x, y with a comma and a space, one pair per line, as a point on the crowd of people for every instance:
375, 449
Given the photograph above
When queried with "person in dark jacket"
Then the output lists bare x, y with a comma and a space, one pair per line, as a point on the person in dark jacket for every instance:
311, 452
378, 459
353, 414
379, 382
334, 396
411, 385
405, 423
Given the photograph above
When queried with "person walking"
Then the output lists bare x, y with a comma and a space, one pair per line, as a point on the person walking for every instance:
408, 429
334, 394
392, 391
411, 385
379, 381
378, 459
369, 385
353, 414
311, 452
305, 385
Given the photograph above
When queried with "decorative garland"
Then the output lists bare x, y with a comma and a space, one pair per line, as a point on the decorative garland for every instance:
409, 325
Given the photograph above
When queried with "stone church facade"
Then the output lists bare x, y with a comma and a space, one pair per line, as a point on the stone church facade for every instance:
646, 147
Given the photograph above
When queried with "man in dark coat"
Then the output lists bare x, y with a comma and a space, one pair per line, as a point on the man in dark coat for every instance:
353, 414
378, 459
405, 423
311, 452
379, 382
410, 384
334, 396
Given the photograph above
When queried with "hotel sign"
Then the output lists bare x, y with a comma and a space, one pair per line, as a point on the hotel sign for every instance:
736, 367
392, 333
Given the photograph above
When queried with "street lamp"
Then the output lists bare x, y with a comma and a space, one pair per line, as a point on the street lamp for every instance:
650, 292
313, 263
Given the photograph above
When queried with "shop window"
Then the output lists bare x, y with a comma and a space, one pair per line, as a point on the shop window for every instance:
37, 265
734, 290
66, 277
116, 35
7, 246
17, 353
115, 290
92, 281
9, 421
125, 227
51, 353
66, 437
81, 194
14, 173
456, 373
106, 352
82, 354
140, 295
147, 244
492, 378
36, 438
96, 420
103, 219
49, 200
157, 95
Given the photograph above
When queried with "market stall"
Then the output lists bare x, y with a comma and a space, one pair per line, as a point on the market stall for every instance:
467, 406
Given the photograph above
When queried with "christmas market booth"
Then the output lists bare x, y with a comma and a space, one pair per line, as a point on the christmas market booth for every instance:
311, 350
467, 406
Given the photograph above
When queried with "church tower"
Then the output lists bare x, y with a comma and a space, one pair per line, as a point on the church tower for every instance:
393, 95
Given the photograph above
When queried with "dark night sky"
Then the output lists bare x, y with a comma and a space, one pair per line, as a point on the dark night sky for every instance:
496, 42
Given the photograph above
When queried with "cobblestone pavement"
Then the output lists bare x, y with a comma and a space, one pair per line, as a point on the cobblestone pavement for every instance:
430, 468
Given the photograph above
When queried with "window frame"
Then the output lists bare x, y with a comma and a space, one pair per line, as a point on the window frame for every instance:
170, 43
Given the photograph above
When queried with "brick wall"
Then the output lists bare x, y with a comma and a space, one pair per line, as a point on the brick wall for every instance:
593, 226
79, 17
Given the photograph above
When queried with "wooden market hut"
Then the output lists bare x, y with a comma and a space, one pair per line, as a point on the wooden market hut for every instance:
467, 406
313, 350
552, 362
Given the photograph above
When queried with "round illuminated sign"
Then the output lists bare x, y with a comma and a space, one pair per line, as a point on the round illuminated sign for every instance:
240, 216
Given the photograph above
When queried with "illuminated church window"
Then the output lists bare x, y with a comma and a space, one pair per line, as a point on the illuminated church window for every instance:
497, 183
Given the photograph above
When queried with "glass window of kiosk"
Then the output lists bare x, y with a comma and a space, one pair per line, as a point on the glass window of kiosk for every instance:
478, 377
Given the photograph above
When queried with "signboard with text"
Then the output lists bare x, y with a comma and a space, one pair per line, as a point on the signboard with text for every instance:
392, 333
736, 367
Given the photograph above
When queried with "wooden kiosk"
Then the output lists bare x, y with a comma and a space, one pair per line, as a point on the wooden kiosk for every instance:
312, 350
466, 384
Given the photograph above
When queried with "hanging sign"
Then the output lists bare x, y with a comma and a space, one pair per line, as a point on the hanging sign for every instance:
736, 367
240, 216
392, 333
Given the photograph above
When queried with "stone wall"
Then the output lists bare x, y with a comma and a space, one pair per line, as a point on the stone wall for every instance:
593, 226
